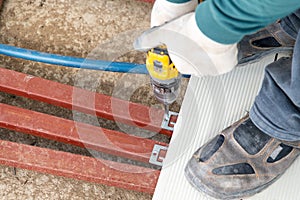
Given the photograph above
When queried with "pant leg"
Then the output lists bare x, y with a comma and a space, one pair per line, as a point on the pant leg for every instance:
276, 110
291, 24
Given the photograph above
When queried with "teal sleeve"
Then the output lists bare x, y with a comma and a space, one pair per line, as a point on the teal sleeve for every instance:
178, 1
227, 21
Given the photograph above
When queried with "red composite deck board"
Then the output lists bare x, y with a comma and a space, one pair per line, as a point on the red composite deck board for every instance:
78, 167
71, 165
82, 100
75, 133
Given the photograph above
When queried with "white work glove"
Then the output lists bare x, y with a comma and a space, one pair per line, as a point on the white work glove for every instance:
191, 51
164, 11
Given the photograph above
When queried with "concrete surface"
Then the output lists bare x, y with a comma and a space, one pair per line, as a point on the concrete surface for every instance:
74, 28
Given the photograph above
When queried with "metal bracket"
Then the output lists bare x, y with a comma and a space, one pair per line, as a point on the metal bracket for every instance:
168, 124
158, 155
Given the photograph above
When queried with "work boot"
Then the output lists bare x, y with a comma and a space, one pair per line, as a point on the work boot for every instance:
272, 39
241, 161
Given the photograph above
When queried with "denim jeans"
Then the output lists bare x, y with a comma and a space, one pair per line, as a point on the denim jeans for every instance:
276, 110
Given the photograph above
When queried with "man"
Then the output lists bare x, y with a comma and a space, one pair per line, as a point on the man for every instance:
210, 39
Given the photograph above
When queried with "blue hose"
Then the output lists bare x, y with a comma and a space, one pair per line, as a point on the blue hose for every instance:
74, 62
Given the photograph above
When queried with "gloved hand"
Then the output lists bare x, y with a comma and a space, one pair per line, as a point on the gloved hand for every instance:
164, 11
190, 50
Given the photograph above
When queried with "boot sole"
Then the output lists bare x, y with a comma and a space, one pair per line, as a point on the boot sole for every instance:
194, 181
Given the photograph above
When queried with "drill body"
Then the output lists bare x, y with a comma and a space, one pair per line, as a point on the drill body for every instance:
165, 78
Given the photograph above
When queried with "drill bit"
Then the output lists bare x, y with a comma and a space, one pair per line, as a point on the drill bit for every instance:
166, 116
